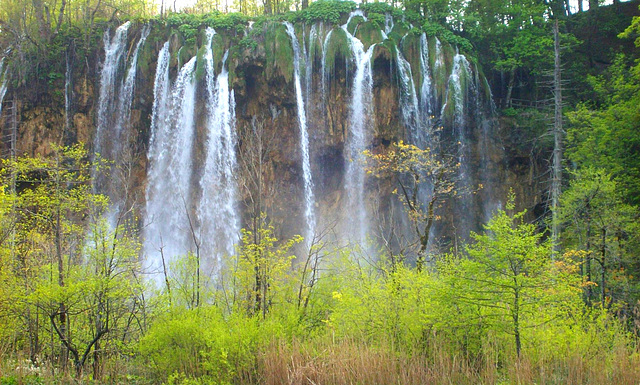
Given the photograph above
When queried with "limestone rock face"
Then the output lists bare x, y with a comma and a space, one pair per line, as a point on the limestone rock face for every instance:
265, 98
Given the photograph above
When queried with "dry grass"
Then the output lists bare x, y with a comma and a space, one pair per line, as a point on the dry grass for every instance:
351, 362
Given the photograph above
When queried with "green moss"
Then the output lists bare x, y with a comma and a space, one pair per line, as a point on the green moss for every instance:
218, 47
400, 29
410, 48
369, 33
187, 51
200, 64
354, 23
147, 54
387, 50
338, 46
278, 52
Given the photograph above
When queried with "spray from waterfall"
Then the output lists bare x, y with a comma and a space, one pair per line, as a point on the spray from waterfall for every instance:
219, 217
309, 210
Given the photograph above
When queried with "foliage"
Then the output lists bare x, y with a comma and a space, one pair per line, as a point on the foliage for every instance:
262, 271
329, 11
413, 168
510, 278
605, 229
602, 137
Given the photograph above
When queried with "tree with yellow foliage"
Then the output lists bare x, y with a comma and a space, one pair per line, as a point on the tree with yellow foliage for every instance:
423, 179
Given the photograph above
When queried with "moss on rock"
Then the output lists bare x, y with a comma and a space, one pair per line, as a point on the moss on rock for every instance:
338, 46
369, 33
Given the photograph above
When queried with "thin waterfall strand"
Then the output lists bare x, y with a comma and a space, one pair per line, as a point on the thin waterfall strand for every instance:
309, 210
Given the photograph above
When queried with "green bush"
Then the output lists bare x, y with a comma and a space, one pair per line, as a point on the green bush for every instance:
329, 11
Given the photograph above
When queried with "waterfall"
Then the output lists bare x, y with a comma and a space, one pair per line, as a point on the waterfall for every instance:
167, 225
3, 83
68, 92
456, 98
409, 104
126, 92
438, 68
426, 92
360, 124
115, 51
114, 113
308, 70
456, 94
219, 218
323, 71
484, 120
309, 198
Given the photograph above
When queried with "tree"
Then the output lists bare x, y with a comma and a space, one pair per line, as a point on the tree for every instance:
78, 272
605, 135
601, 225
556, 168
261, 270
415, 170
510, 276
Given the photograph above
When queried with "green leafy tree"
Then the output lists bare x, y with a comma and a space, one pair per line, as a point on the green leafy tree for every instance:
263, 271
605, 137
600, 224
509, 280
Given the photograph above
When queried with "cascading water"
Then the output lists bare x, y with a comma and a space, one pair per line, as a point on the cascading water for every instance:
456, 99
308, 54
219, 217
167, 224
126, 92
68, 92
310, 215
114, 114
409, 104
438, 70
484, 120
115, 50
456, 96
3, 83
323, 71
426, 92
358, 136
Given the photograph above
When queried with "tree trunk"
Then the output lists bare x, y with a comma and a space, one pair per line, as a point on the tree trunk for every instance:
512, 82
556, 180
516, 321
588, 258
603, 251
593, 4
43, 27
